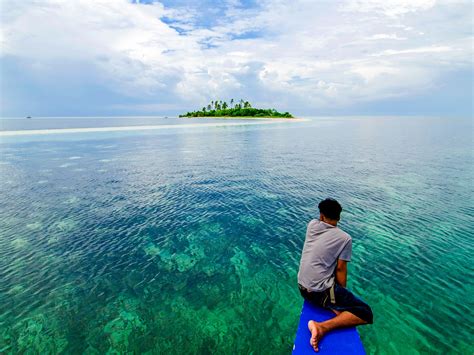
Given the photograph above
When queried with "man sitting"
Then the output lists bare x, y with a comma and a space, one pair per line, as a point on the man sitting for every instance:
323, 273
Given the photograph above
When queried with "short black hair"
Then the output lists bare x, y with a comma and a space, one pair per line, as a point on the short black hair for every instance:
330, 208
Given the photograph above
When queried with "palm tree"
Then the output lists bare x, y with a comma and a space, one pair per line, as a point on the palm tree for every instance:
224, 105
231, 102
209, 107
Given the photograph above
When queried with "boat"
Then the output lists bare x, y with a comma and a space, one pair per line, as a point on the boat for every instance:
340, 341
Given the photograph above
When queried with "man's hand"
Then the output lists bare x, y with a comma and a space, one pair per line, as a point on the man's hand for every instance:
341, 272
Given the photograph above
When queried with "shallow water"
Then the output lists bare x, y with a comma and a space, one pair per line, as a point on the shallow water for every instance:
189, 240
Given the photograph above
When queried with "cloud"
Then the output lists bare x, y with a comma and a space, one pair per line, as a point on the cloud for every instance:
421, 50
303, 55
385, 36
390, 8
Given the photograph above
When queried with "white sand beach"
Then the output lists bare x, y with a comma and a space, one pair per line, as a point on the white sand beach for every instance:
144, 128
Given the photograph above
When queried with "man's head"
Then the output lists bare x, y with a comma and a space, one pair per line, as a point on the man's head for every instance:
330, 211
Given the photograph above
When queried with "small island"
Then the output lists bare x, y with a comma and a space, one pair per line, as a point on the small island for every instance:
235, 109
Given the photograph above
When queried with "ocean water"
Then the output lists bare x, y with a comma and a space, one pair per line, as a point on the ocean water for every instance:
187, 240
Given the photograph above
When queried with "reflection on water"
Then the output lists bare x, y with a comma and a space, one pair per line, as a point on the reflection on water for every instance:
190, 241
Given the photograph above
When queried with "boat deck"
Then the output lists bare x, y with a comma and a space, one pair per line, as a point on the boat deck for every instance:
339, 341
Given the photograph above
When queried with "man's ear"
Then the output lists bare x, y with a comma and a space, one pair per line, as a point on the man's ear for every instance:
321, 217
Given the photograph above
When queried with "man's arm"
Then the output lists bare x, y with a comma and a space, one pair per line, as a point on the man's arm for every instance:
341, 272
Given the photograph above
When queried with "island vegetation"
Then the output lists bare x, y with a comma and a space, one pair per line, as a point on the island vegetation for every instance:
240, 108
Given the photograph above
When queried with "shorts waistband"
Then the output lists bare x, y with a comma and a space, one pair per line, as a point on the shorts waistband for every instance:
302, 288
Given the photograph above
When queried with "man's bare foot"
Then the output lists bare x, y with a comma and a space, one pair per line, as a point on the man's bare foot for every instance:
317, 332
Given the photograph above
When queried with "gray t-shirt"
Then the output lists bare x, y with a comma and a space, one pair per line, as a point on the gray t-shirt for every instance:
324, 244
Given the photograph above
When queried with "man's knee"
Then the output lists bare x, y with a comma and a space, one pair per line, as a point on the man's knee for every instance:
370, 315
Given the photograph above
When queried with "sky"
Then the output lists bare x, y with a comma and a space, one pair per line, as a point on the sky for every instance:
308, 57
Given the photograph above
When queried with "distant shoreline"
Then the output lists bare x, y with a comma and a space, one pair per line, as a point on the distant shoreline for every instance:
268, 118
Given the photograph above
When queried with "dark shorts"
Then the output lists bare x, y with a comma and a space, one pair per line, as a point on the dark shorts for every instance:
345, 301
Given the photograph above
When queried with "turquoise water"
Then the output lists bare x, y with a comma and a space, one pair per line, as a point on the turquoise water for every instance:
188, 240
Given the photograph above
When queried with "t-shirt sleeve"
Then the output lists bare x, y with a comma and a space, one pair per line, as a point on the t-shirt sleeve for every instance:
346, 252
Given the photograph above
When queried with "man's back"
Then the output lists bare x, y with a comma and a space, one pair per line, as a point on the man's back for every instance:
324, 245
